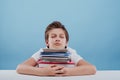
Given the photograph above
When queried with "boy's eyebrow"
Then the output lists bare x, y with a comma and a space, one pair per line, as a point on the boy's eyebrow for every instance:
62, 34
55, 34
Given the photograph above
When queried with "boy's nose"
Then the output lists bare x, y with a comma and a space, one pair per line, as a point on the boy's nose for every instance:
57, 40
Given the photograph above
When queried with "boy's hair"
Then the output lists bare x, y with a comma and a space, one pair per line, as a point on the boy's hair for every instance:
53, 25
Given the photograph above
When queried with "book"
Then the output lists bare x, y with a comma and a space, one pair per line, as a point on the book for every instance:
54, 50
65, 64
55, 59
55, 56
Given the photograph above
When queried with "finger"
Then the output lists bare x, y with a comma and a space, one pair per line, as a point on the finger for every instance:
58, 67
52, 65
59, 71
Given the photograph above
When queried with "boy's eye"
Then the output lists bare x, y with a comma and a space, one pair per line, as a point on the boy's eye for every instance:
61, 36
53, 36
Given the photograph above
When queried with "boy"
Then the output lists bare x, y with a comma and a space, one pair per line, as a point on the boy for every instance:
56, 37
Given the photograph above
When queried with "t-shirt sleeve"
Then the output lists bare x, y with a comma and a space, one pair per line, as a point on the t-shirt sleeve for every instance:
36, 55
74, 56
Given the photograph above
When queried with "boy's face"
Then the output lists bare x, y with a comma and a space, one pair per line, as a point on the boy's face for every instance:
56, 39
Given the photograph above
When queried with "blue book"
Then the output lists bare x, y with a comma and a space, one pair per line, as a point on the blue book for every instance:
55, 54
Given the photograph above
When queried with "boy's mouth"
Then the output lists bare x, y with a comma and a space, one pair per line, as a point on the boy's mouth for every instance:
57, 44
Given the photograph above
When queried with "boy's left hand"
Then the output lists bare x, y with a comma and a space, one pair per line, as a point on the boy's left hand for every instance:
65, 71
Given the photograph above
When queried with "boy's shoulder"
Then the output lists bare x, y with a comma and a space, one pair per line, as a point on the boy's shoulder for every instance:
70, 49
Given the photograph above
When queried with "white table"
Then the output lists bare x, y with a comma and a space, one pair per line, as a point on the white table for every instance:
100, 75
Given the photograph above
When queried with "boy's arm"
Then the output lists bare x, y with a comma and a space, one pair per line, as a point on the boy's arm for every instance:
28, 67
82, 68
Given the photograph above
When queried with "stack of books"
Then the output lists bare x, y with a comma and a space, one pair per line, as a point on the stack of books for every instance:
53, 56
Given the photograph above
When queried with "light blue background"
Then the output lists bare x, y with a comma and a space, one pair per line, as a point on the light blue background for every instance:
93, 25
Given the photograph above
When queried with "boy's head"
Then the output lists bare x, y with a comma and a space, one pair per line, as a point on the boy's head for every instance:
56, 36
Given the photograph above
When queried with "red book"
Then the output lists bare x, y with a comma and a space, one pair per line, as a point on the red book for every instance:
65, 64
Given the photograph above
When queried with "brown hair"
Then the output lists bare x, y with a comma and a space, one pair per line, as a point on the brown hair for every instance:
53, 25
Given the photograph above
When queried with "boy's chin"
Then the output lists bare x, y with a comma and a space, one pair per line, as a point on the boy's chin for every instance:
57, 48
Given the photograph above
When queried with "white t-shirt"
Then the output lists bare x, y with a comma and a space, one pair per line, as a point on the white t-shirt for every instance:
74, 56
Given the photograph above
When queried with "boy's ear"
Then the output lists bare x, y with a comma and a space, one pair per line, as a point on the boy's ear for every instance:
46, 43
66, 45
